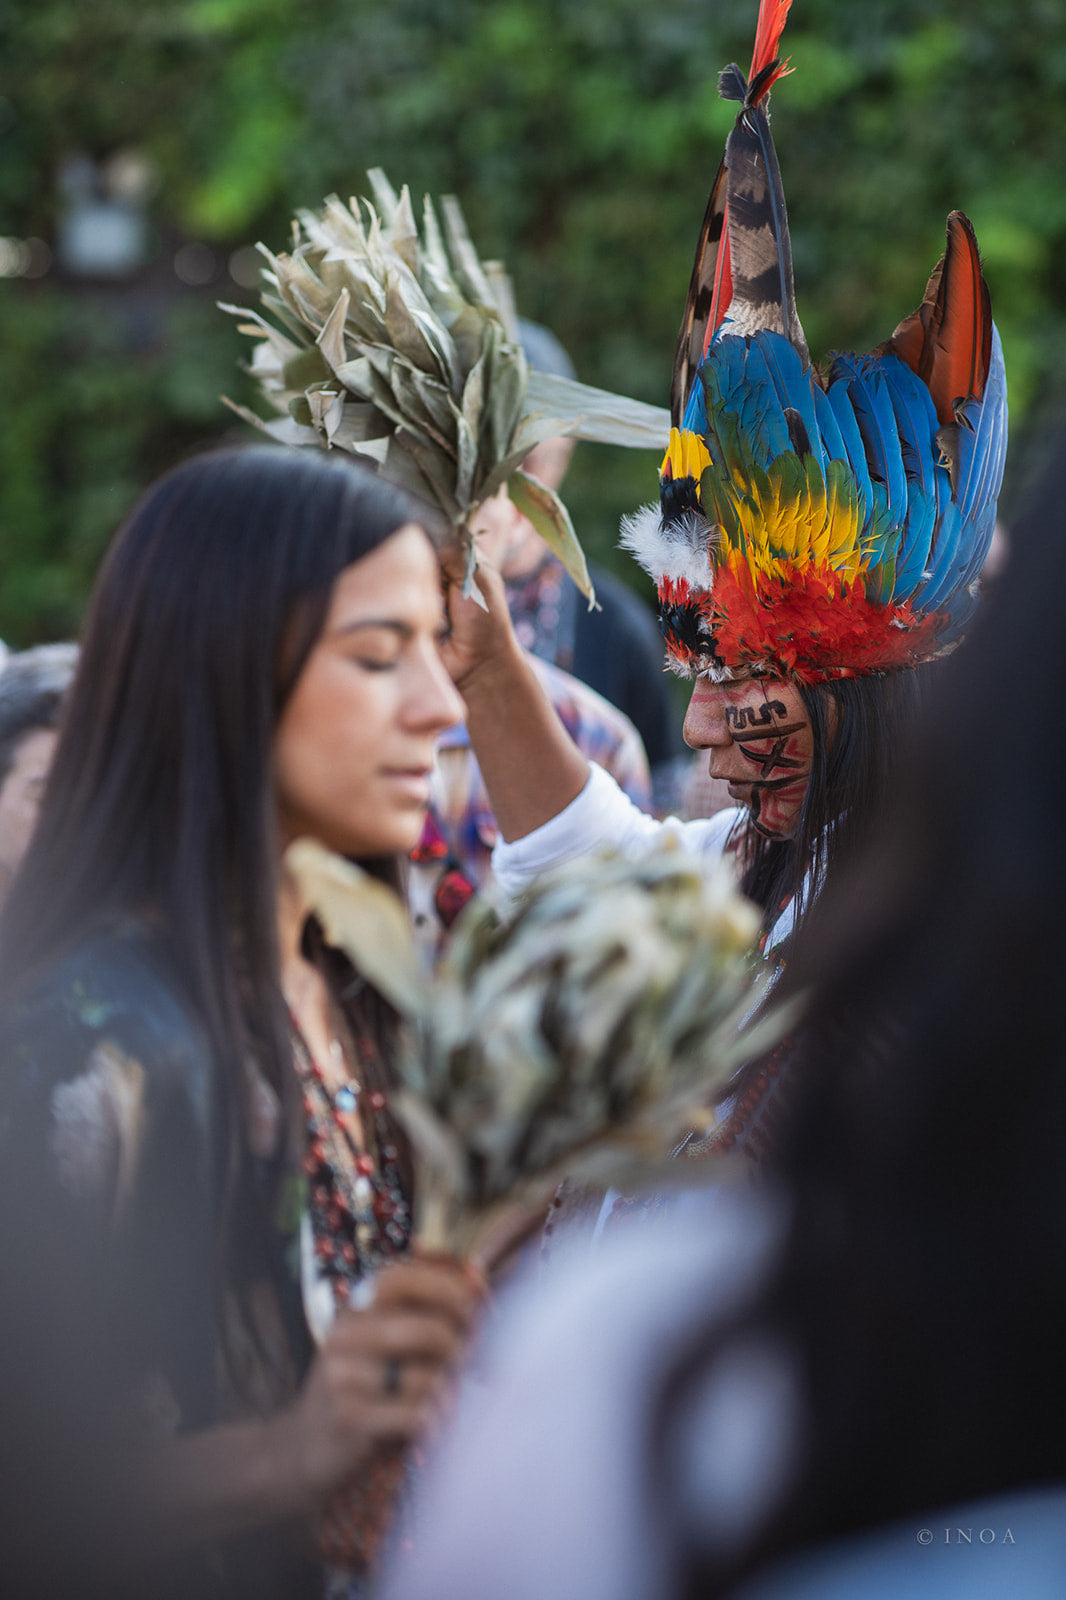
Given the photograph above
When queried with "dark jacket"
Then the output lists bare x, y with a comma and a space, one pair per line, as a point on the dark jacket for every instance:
110, 1143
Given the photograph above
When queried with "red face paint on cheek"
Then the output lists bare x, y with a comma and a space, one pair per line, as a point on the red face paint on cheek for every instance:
771, 755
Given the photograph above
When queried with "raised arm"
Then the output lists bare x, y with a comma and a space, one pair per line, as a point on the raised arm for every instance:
531, 768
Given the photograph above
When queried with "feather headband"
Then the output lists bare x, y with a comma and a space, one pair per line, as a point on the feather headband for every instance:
817, 523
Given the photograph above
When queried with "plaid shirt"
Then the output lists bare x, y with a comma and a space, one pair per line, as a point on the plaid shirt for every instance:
453, 858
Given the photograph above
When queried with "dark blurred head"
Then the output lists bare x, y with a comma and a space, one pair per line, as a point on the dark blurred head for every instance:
543, 350
33, 685
921, 1289
547, 461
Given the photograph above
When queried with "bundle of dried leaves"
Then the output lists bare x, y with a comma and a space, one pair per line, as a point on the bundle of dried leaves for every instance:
400, 345
581, 1039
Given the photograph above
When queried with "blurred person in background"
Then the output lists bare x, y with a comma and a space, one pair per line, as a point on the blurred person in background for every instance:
453, 859
616, 648
33, 684
196, 1086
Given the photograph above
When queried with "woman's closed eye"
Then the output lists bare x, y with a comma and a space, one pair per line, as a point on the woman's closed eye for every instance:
376, 663
373, 648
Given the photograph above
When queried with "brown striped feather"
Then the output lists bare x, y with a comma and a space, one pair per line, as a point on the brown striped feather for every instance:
709, 292
710, 288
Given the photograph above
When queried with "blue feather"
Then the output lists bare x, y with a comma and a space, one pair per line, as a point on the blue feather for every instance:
793, 385
916, 421
828, 427
982, 443
877, 426
760, 413
912, 552
695, 418
843, 411
941, 573
960, 612
982, 453
975, 553
928, 486
880, 533
740, 385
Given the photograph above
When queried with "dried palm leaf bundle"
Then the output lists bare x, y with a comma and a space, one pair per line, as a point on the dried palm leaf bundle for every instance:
399, 344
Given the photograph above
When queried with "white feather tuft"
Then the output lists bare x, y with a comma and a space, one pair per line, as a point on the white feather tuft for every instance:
680, 550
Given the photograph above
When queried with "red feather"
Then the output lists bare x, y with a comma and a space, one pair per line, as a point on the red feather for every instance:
813, 625
723, 284
768, 31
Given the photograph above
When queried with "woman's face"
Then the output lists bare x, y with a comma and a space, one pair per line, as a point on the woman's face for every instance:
354, 744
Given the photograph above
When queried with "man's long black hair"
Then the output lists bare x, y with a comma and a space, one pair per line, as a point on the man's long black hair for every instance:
858, 725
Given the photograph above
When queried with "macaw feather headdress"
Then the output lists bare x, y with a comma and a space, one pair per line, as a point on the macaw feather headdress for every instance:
817, 523
401, 346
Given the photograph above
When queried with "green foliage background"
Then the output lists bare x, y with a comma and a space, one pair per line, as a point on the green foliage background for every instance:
581, 138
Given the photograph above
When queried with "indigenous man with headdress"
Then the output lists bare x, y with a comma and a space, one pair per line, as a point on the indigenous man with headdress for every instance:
819, 535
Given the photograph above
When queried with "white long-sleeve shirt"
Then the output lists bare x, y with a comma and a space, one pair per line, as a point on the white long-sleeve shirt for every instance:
602, 816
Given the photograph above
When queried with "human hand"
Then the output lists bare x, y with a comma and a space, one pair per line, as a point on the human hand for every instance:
381, 1375
480, 634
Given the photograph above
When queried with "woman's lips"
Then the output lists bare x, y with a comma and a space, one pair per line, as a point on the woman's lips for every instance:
414, 781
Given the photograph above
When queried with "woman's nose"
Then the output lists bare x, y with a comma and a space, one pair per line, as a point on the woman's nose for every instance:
705, 719
435, 703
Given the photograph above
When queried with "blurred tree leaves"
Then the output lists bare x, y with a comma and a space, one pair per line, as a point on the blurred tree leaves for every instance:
582, 140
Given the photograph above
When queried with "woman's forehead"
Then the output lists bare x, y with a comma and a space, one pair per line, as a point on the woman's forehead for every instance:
400, 574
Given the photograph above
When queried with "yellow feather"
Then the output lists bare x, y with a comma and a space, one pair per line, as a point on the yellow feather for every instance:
686, 456
786, 527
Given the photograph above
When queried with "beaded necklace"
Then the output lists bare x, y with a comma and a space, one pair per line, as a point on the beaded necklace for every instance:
359, 1214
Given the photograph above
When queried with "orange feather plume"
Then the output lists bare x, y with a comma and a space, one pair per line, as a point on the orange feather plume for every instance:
948, 340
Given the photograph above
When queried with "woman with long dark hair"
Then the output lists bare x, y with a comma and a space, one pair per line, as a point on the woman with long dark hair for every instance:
201, 1081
